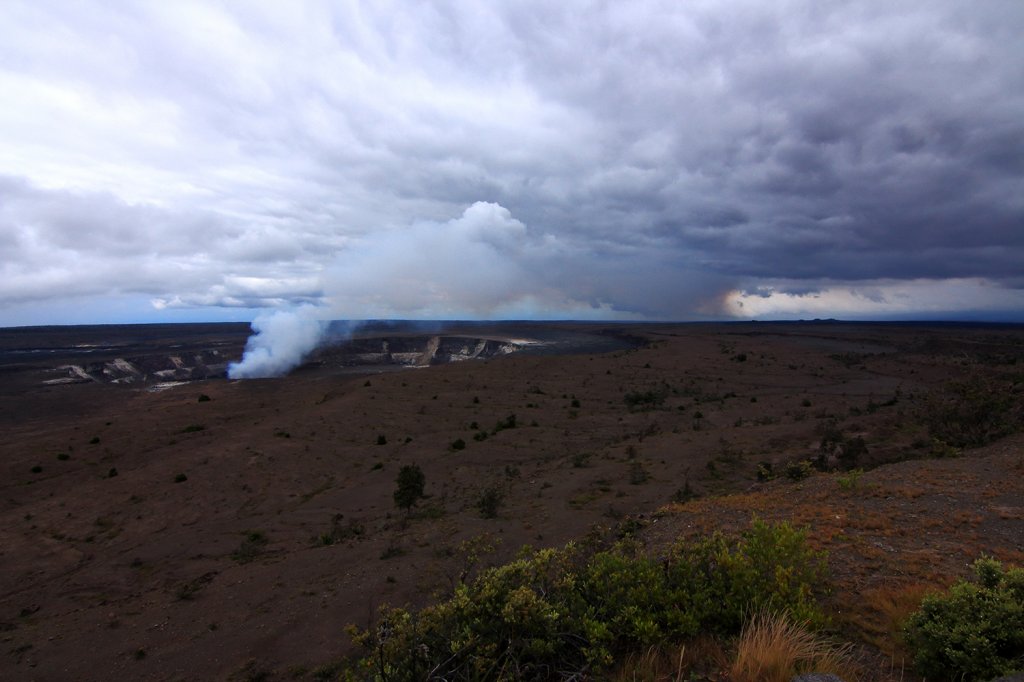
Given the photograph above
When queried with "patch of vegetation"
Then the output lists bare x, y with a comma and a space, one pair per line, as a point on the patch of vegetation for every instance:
340, 532
969, 414
838, 450
251, 547
193, 428
489, 501
36, 469
63, 456
644, 400
409, 486
458, 444
773, 647
574, 610
382, 439
851, 480
508, 422
180, 478
975, 630
94, 440
189, 590
391, 551
580, 460
684, 494
203, 398
799, 470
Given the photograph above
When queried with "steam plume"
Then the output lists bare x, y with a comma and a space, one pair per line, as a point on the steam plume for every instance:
280, 341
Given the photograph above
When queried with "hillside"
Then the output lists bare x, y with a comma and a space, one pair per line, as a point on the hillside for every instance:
224, 528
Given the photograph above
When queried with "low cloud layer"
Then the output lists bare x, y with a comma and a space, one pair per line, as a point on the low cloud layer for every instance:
660, 160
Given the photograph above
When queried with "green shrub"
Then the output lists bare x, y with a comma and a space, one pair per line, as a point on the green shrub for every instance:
975, 630
458, 444
508, 422
568, 613
193, 428
409, 486
850, 480
972, 413
489, 501
798, 471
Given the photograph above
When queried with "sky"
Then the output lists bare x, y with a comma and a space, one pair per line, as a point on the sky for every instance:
198, 161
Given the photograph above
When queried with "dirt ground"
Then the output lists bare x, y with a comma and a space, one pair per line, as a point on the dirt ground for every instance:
166, 536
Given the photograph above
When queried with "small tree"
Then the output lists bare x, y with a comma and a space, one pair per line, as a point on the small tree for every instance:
409, 488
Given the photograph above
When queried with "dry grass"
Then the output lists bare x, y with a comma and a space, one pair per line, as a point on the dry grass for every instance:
771, 648
880, 613
700, 656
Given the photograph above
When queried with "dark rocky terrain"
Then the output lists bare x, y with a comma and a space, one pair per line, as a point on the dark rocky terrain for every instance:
223, 529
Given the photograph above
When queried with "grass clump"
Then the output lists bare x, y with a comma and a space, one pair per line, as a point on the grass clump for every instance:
975, 630
774, 648
574, 610
850, 480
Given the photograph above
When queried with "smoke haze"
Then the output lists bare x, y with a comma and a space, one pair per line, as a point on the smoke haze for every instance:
280, 341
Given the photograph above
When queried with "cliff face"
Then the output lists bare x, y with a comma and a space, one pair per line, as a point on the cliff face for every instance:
414, 351
145, 369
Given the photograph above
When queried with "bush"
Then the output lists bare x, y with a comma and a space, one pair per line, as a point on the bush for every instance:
569, 612
974, 631
798, 471
508, 422
644, 400
409, 486
458, 444
489, 501
972, 413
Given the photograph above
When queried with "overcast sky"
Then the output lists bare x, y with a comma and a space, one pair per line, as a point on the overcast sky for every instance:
180, 160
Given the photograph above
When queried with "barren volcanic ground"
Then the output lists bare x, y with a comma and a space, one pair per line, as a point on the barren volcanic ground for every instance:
223, 529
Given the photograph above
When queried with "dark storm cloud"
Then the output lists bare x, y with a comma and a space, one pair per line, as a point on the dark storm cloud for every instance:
655, 155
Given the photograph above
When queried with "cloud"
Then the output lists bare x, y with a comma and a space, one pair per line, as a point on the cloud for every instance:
649, 156
483, 264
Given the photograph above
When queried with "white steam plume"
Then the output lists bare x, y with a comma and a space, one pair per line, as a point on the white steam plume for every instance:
281, 340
